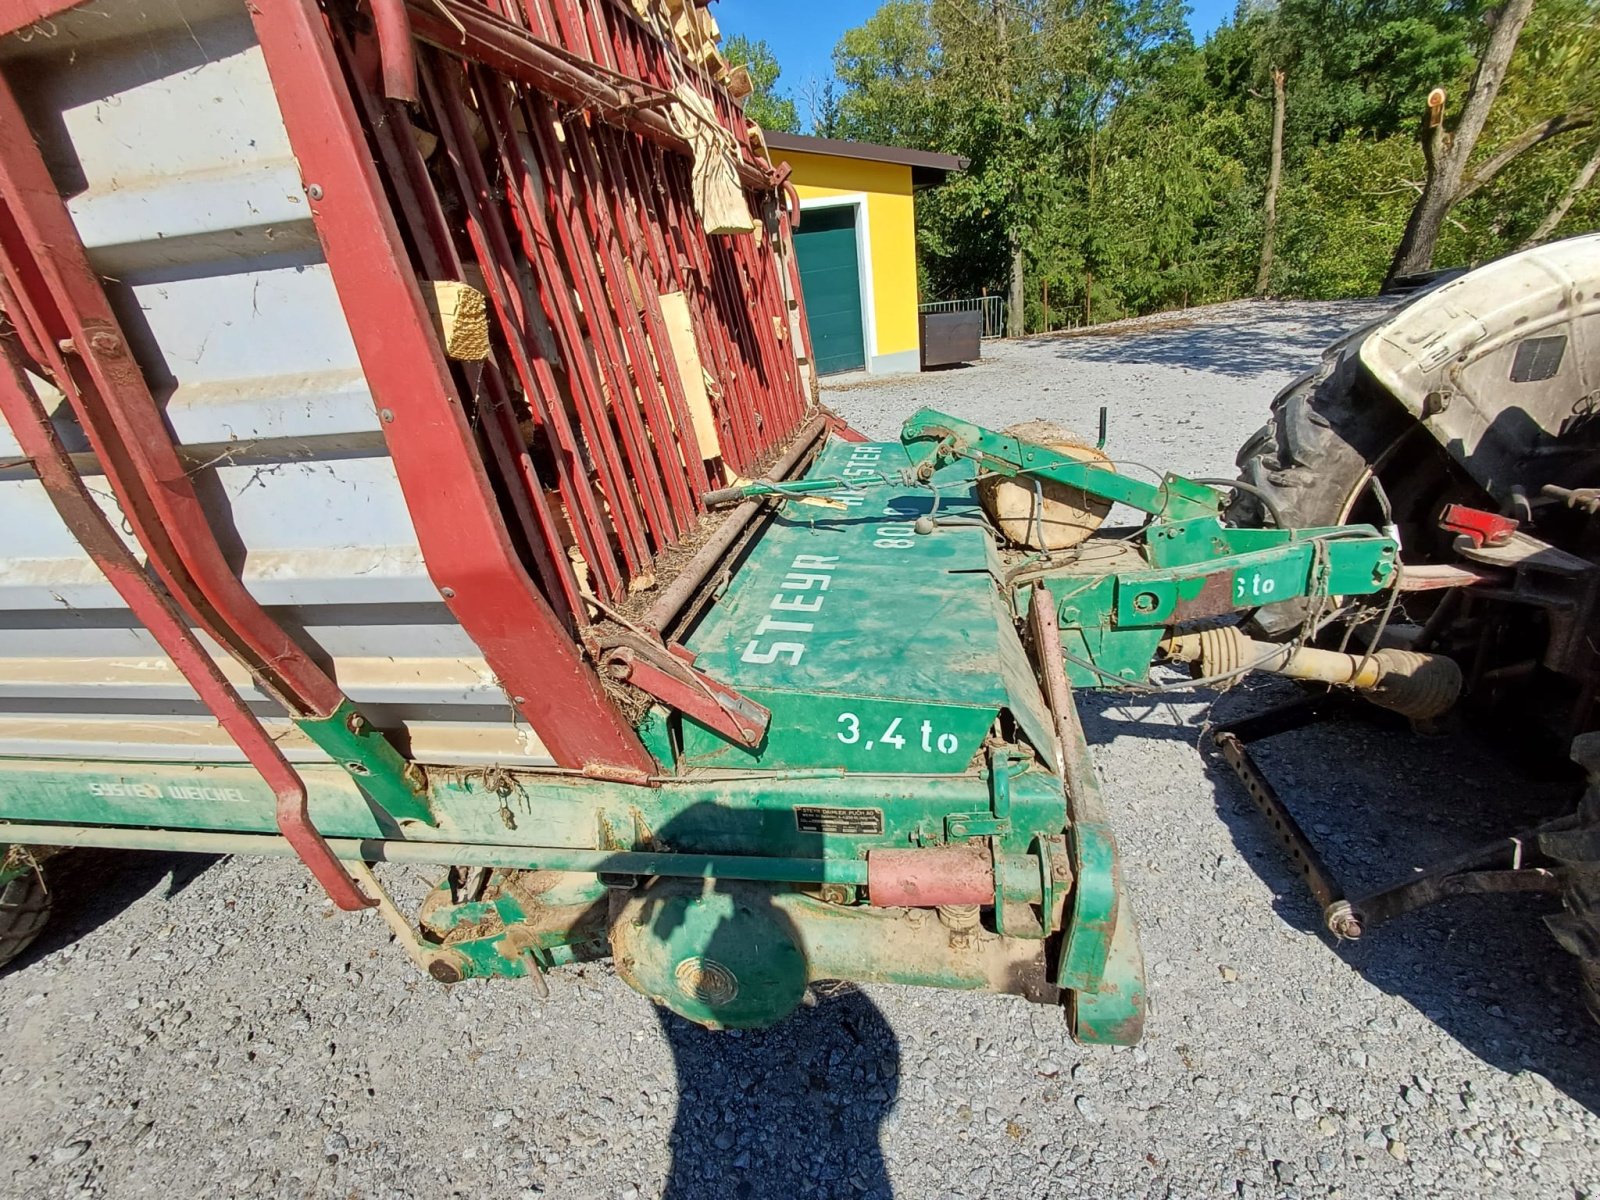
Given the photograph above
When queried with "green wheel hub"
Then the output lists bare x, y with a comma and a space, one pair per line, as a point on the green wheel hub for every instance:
722, 955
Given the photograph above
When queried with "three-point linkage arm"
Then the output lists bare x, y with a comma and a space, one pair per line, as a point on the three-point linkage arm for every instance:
1174, 498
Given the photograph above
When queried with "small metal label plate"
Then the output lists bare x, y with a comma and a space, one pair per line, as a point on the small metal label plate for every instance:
862, 822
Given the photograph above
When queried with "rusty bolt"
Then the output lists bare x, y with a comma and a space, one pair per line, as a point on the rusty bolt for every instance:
448, 967
356, 723
1342, 921
108, 345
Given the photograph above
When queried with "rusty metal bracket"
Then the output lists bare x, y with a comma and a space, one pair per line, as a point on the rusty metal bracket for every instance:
1329, 894
1511, 864
668, 673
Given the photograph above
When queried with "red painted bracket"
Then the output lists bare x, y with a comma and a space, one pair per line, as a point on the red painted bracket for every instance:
60, 301
672, 679
1480, 527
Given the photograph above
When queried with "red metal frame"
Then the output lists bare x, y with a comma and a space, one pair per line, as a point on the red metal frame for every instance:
464, 541
19, 14
407, 176
1477, 526
31, 427
60, 299
577, 425
715, 705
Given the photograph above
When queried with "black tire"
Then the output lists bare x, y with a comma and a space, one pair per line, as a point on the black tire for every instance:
1330, 432
24, 909
1575, 844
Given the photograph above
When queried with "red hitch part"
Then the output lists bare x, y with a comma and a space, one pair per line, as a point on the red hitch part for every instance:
396, 49
1481, 528
932, 877
672, 679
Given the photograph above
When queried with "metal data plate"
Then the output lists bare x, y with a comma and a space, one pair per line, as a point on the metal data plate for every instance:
876, 648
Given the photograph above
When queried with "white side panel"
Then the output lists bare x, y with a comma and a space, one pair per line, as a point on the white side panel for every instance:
159, 124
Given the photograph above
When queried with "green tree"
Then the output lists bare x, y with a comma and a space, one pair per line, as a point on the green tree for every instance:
1116, 167
765, 106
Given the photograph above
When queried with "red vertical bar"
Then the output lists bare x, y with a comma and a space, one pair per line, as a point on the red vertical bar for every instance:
739, 449
559, 184
645, 249
528, 210
408, 179
505, 289
458, 524
653, 366
412, 184
676, 266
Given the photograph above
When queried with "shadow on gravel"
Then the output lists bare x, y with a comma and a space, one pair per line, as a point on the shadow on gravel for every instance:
791, 1111
1219, 346
90, 887
1380, 801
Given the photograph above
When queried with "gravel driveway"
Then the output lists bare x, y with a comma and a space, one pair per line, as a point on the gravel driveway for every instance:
210, 1028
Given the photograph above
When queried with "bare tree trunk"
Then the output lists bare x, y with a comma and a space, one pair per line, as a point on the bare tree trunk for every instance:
1016, 297
1274, 174
1581, 180
1447, 154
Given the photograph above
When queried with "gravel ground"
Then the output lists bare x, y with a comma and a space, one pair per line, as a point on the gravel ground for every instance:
210, 1028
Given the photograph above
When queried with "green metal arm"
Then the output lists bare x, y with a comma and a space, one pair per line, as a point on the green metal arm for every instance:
1174, 498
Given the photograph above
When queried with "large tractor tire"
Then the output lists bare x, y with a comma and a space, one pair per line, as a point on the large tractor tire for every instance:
1575, 844
1330, 433
24, 909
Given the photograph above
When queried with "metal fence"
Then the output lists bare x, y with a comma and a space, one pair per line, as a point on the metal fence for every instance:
993, 309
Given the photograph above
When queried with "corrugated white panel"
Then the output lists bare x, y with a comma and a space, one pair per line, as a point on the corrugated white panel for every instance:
160, 126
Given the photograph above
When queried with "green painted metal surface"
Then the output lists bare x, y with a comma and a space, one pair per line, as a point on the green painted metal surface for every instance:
392, 783
830, 279
877, 619
803, 816
1114, 1013
875, 647
937, 438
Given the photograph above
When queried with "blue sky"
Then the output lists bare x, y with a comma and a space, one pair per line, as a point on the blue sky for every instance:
802, 33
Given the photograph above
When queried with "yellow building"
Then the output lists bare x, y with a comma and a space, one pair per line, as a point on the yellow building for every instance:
857, 247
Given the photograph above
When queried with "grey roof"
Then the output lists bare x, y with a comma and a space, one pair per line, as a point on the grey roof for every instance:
926, 166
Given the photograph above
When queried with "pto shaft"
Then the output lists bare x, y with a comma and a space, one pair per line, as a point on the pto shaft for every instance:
1415, 685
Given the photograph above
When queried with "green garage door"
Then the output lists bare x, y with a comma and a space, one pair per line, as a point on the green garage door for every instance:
830, 278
